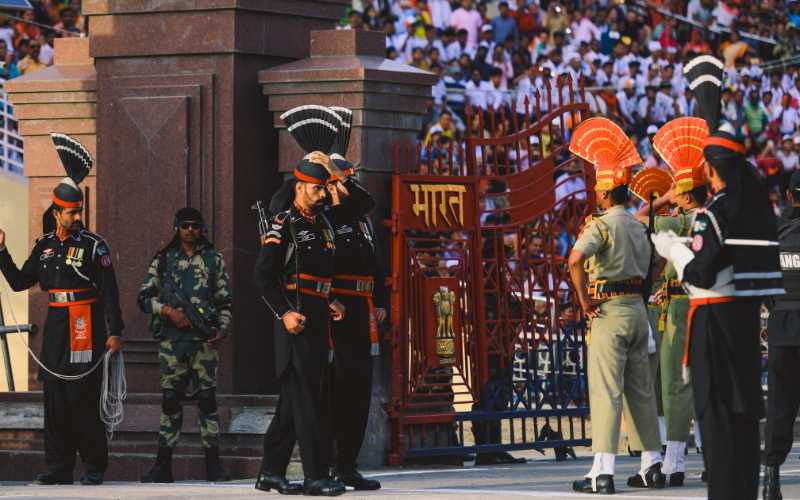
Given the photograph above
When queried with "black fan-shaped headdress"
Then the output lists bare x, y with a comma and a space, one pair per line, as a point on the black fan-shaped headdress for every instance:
705, 79
314, 127
74, 156
77, 162
345, 115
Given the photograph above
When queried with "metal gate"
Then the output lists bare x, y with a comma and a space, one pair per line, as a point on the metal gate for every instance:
488, 344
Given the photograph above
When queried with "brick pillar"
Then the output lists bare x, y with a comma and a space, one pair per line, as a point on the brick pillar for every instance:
347, 68
60, 98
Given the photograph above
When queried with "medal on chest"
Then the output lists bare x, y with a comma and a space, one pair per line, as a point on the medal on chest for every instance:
74, 256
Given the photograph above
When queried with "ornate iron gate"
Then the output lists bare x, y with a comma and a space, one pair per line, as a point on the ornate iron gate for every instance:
487, 336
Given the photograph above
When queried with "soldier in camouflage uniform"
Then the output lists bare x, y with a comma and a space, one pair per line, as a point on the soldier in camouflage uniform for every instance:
186, 356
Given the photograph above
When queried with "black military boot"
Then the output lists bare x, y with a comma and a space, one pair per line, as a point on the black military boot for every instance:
772, 483
270, 481
652, 478
50, 478
214, 471
358, 482
162, 470
323, 488
603, 484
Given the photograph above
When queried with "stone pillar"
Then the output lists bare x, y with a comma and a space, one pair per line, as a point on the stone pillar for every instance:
60, 98
182, 122
388, 99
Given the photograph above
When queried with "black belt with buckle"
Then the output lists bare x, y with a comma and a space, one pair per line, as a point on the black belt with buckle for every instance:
67, 296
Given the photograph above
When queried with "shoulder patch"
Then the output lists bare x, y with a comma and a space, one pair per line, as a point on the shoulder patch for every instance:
105, 260
699, 226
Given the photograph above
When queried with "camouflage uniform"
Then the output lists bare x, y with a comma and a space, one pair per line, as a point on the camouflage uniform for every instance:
185, 358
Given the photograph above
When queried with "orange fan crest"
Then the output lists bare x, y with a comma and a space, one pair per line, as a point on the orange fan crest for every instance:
680, 143
604, 144
650, 181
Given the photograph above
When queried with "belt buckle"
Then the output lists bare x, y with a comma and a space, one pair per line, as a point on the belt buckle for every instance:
324, 287
363, 286
61, 297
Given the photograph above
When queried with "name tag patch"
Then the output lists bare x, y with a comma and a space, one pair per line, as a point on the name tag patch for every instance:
790, 260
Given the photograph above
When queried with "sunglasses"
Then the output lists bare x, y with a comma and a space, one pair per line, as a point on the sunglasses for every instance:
191, 225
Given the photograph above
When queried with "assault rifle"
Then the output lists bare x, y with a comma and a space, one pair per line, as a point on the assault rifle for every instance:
202, 319
263, 220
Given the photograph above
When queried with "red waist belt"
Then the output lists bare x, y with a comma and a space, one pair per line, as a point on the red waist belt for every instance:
359, 286
693, 305
79, 302
310, 285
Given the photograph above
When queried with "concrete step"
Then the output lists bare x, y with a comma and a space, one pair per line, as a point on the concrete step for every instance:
132, 450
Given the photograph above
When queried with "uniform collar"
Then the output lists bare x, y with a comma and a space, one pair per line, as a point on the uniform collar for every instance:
617, 209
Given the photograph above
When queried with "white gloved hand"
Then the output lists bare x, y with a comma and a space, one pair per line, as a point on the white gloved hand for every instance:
664, 241
669, 245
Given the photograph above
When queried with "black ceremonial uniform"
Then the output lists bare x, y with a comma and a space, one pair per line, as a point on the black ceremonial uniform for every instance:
783, 397
294, 270
355, 338
78, 274
727, 285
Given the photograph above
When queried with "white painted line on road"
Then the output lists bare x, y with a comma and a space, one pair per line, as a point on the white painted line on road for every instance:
535, 494
438, 471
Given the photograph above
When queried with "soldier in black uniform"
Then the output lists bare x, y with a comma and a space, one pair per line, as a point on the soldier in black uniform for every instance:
727, 281
355, 338
83, 319
294, 270
783, 397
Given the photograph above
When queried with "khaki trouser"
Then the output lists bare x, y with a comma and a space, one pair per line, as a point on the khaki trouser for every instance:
620, 379
677, 395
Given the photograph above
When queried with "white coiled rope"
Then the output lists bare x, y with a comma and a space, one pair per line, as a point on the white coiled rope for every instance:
114, 388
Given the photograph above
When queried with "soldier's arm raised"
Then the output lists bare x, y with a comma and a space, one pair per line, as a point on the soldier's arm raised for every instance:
357, 204
19, 279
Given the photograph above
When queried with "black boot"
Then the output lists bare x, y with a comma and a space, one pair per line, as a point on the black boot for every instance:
772, 483
162, 470
604, 484
50, 478
323, 488
652, 478
214, 471
358, 482
270, 481
92, 478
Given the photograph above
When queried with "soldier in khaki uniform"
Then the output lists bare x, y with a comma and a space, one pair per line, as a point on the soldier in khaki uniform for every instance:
616, 249
679, 143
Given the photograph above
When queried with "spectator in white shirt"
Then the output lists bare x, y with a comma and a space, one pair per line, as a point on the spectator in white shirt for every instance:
786, 116
460, 46
626, 99
477, 91
788, 156
583, 29
440, 13
465, 17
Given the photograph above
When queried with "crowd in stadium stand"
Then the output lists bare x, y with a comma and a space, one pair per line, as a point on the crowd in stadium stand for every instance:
629, 54
27, 37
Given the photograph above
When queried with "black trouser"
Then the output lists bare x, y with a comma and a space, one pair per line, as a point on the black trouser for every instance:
731, 449
350, 383
297, 417
725, 367
296, 420
783, 401
72, 424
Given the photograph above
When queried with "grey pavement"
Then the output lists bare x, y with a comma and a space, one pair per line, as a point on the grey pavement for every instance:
541, 478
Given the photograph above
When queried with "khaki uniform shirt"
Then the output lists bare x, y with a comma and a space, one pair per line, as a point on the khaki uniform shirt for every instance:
616, 245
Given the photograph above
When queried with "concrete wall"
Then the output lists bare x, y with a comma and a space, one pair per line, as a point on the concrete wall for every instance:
14, 221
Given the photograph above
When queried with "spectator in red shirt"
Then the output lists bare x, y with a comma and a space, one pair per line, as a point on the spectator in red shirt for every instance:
527, 18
